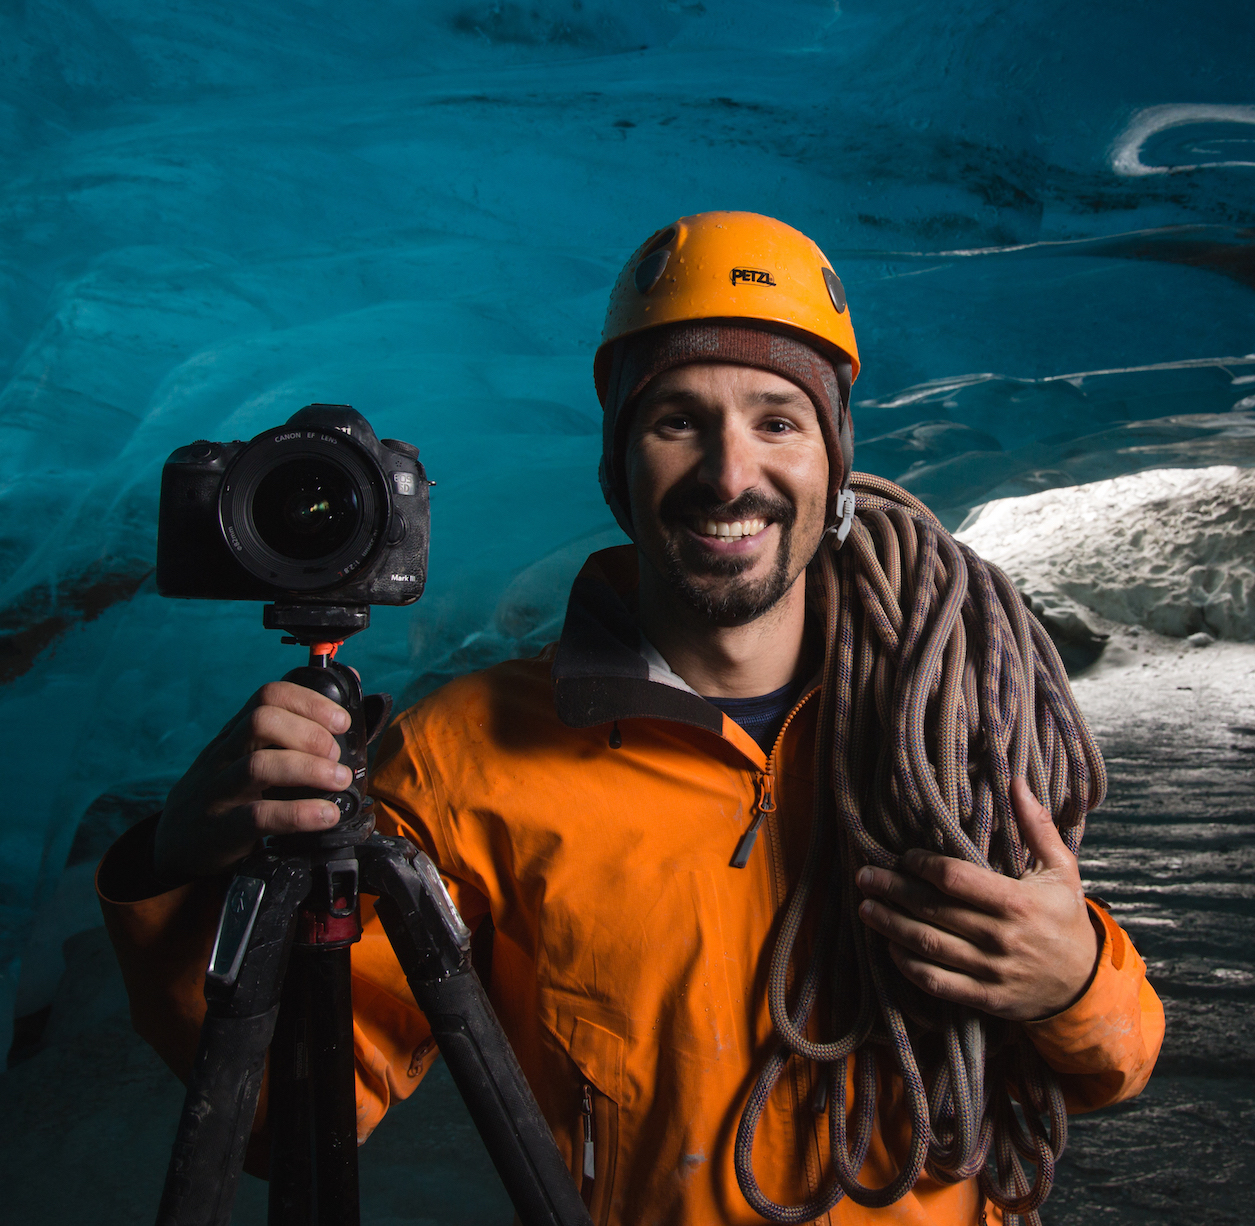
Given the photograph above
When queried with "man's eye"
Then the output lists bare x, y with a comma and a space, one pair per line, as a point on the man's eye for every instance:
676, 421
777, 425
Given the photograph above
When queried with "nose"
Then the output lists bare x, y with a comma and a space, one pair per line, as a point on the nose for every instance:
729, 464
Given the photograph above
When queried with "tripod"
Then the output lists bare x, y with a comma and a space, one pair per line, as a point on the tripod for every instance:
279, 980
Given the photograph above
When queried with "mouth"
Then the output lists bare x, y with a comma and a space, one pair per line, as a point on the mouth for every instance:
728, 535
735, 531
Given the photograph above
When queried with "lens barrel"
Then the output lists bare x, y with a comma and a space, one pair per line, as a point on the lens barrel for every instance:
303, 509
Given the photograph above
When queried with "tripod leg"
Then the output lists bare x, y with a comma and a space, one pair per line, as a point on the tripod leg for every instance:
291, 1122
242, 990
333, 1085
433, 946
217, 1118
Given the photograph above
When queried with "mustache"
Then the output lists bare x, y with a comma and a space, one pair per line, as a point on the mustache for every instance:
700, 501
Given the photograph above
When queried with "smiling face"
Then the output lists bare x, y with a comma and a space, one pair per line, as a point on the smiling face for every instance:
727, 476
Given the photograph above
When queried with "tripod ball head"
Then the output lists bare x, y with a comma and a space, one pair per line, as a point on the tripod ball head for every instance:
367, 716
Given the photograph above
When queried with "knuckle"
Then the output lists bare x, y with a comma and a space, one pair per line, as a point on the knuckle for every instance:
255, 767
884, 918
929, 943
1003, 944
258, 813
276, 817
1018, 909
270, 694
322, 743
930, 981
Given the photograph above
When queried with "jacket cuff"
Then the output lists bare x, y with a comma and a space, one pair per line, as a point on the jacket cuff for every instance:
127, 873
1112, 1033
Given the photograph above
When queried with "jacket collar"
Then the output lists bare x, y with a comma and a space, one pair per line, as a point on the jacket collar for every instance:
605, 669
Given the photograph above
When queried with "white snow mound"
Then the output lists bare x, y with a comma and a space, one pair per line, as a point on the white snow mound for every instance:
1171, 549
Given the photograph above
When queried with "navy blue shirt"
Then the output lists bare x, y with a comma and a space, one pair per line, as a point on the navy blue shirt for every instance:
763, 716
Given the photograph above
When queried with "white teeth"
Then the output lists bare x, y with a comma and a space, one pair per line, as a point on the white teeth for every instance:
734, 531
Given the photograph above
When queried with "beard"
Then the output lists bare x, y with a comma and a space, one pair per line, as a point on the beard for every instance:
685, 563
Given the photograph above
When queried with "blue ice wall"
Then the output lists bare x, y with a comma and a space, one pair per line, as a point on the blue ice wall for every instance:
214, 213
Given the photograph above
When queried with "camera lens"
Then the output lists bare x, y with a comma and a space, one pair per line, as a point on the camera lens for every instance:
307, 508
301, 510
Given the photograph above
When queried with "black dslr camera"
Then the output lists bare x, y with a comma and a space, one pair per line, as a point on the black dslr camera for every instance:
317, 511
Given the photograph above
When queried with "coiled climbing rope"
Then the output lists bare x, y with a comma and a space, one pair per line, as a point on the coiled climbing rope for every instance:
939, 687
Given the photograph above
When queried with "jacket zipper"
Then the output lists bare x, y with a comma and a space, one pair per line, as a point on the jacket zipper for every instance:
766, 800
589, 1168
766, 803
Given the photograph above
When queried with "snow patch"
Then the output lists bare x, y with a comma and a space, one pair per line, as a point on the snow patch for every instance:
1169, 549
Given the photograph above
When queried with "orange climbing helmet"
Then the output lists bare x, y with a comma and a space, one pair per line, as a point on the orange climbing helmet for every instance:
729, 266
746, 275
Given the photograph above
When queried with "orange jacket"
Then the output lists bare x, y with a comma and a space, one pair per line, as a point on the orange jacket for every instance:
628, 957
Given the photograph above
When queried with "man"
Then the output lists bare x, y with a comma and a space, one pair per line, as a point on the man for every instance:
632, 807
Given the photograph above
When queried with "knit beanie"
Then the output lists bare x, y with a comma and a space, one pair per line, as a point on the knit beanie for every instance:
639, 358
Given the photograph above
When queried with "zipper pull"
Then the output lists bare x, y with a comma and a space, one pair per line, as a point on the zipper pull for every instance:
766, 804
587, 1112
819, 1096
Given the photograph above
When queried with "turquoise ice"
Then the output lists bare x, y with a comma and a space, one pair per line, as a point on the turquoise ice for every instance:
215, 213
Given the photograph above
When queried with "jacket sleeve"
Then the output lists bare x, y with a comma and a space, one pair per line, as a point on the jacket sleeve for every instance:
163, 938
1105, 1045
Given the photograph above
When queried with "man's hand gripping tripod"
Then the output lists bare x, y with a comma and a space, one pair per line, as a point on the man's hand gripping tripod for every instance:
279, 981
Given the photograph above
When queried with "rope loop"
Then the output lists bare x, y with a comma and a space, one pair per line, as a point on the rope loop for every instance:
938, 688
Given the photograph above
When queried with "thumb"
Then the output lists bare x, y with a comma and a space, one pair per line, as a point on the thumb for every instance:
1041, 836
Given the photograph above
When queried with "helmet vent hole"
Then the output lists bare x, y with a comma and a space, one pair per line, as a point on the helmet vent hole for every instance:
649, 270
836, 291
660, 240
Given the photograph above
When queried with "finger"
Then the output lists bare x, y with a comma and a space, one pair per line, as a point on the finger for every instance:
246, 779
1041, 836
980, 888
267, 817
928, 941
925, 902
236, 833
221, 840
300, 701
945, 983
268, 727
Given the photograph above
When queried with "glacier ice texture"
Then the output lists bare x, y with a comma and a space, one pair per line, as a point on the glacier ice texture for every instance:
213, 214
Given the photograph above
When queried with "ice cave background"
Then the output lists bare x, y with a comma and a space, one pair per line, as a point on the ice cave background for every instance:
214, 213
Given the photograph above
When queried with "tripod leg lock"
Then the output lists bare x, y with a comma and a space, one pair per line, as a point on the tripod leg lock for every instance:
235, 926
415, 907
341, 880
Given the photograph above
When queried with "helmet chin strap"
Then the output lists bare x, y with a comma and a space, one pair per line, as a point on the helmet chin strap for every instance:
845, 499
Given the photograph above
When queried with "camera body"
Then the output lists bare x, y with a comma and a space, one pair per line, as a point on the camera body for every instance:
317, 511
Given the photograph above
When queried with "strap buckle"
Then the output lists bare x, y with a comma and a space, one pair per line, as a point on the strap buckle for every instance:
845, 509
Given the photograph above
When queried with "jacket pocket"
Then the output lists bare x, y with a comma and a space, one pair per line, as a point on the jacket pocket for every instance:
599, 1055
